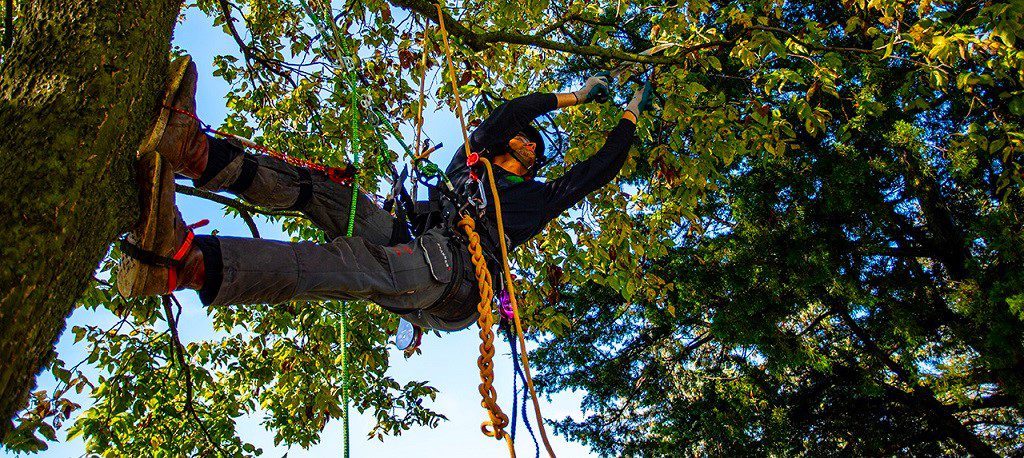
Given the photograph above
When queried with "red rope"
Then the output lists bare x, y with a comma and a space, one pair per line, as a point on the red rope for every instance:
341, 175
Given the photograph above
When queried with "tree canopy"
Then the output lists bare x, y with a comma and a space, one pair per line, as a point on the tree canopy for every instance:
815, 247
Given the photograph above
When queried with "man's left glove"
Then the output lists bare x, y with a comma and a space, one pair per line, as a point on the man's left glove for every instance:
642, 100
595, 89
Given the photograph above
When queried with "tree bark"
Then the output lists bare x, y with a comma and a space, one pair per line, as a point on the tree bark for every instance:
78, 89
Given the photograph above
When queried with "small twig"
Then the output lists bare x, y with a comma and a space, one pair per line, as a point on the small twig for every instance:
800, 42
816, 322
249, 222
237, 205
250, 52
179, 350
556, 25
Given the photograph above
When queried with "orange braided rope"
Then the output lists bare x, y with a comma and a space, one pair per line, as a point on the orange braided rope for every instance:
495, 427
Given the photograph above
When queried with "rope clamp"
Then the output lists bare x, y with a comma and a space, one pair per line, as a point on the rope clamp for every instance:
505, 305
471, 160
366, 102
341, 175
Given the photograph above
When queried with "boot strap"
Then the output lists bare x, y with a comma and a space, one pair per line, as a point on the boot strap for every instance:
173, 263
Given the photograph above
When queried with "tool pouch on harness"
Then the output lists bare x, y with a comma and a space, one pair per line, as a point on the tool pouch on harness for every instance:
462, 294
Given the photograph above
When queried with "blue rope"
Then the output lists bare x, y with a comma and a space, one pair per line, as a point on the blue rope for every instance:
515, 380
518, 373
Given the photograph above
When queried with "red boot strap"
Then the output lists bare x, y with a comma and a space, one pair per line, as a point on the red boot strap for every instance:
198, 224
179, 256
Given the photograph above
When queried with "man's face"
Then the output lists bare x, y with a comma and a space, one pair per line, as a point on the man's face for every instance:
524, 150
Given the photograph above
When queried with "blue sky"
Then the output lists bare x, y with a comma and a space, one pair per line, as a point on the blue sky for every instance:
448, 362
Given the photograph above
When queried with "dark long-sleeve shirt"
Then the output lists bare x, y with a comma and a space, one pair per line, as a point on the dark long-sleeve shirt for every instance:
529, 205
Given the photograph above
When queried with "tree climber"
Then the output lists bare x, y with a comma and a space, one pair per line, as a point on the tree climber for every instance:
428, 281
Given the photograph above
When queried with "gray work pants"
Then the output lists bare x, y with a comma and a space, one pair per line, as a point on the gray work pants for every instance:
406, 279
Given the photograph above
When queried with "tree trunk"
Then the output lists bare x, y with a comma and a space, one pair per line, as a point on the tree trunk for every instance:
78, 89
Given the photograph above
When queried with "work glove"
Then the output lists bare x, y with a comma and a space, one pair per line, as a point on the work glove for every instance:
642, 100
595, 89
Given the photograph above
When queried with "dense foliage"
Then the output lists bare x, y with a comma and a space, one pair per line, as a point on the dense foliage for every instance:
814, 249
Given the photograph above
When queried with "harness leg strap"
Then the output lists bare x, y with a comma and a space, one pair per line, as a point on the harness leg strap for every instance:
305, 190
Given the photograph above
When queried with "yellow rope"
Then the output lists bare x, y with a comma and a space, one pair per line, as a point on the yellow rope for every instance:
451, 74
419, 109
515, 307
485, 282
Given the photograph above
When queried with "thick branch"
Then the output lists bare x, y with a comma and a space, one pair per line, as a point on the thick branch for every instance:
480, 41
922, 397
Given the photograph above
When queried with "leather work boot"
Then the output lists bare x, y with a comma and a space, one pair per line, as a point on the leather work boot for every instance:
159, 246
176, 134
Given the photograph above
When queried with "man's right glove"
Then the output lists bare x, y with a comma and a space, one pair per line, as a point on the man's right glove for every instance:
642, 100
595, 89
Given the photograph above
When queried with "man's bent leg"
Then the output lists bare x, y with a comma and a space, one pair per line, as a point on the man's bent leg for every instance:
216, 166
270, 182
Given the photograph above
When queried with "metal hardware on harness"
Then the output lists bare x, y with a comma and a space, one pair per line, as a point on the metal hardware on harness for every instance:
482, 202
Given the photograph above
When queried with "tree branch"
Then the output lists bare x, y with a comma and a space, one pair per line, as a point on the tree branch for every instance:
480, 41
995, 401
554, 25
895, 252
800, 42
244, 210
923, 398
250, 53
179, 350
813, 324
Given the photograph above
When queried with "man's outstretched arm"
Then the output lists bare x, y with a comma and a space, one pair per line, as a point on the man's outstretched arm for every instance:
510, 117
597, 171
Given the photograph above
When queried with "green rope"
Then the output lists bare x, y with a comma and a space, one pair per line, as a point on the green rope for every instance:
354, 145
350, 78
344, 55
